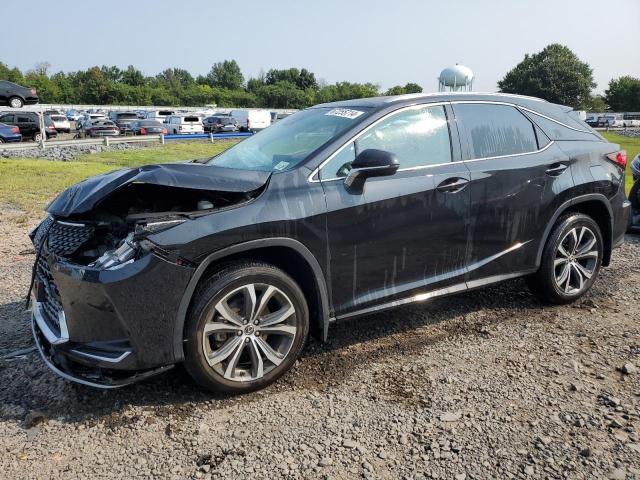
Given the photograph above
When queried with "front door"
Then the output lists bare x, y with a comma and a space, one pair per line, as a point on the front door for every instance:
404, 234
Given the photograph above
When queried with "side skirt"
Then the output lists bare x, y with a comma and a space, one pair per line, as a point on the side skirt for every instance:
442, 292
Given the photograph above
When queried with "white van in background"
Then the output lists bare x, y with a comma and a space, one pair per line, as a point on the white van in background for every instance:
159, 115
252, 120
185, 123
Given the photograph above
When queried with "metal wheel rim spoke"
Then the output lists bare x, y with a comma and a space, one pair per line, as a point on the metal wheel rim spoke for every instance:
576, 259
223, 352
277, 317
250, 332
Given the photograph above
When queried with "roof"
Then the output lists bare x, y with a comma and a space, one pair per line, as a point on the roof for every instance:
381, 102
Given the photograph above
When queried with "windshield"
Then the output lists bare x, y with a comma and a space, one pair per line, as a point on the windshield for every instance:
290, 141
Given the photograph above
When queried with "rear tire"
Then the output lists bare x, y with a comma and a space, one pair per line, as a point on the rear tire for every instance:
16, 102
246, 327
571, 260
37, 137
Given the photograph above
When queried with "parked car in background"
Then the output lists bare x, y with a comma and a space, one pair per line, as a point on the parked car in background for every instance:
634, 196
123, 120
61, 123
631, 119
252, 120
148, 127
9, 134
591, 120
102, 127
277, 116
159, 115
229, 266
88, 118
29, 124
73, 115
610, 120
183, 124
17, 96
220, 124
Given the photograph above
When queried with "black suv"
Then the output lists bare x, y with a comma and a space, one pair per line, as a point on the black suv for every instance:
17, 96
337, 211
29, 124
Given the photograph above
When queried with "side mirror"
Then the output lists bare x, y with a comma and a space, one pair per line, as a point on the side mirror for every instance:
371, 163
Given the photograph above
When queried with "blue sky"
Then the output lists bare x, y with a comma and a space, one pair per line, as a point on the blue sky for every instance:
385, 42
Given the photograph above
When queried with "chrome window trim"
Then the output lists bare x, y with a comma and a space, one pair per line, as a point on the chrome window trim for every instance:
520, 107
316, 171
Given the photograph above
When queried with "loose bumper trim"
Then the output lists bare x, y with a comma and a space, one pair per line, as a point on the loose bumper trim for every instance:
68, 374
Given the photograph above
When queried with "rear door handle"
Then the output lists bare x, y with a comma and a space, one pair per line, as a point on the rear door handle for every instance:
556, 169
452, 185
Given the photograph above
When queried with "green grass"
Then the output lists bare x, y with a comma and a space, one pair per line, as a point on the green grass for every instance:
631, 145
28, 184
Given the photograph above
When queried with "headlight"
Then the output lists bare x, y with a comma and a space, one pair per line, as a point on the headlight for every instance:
118, 257
126, 251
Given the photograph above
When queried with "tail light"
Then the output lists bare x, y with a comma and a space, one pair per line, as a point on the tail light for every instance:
164, 131
143, 131
619, 158
15, 130
180, 127
33, 92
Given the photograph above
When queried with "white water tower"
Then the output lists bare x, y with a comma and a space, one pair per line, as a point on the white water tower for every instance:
456, 79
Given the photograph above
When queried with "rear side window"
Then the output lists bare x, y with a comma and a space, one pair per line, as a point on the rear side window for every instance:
25, 119
7, 118
495, 130
556, 131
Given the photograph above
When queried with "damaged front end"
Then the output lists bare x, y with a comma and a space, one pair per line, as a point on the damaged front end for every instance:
105, 296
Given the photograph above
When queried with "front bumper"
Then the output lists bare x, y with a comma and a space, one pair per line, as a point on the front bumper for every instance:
107, 328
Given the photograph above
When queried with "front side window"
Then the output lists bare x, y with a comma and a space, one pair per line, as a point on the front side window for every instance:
496, 130
290, 141
418, 136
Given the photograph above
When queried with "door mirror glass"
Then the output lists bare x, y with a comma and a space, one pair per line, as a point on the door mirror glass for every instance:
371, 163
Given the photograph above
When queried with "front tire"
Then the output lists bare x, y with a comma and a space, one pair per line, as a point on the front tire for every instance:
247, 326
16, 102
37, 137
571, 260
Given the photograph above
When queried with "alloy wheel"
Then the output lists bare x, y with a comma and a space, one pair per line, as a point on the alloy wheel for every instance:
15, 103
576, 260
250, 332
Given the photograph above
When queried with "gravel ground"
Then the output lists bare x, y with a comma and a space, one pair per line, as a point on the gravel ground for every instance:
488, 384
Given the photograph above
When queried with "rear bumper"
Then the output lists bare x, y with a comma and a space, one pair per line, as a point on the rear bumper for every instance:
12, 138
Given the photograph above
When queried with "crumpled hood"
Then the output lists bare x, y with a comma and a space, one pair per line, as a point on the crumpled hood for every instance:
83, 196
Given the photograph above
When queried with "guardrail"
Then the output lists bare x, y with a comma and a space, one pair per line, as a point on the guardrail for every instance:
115, 140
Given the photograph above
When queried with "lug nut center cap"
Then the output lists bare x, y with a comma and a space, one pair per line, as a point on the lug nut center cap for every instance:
248, 330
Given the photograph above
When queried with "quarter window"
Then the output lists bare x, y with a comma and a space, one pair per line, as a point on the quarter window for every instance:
418, 137
496, 130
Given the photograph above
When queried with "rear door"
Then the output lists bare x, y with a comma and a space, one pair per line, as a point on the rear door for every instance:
404, 234
516, 176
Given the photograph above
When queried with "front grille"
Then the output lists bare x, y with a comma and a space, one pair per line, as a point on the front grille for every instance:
66, 238
49, 297
58, 239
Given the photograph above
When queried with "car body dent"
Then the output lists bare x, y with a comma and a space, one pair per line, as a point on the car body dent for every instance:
83, 196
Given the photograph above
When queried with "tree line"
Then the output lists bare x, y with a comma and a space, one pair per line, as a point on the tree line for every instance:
224, 86
555, 74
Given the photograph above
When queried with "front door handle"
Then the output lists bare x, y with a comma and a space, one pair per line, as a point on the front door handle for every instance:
452, 185
556, 169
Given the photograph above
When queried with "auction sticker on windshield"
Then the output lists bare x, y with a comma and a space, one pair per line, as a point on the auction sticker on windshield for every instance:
344, 112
